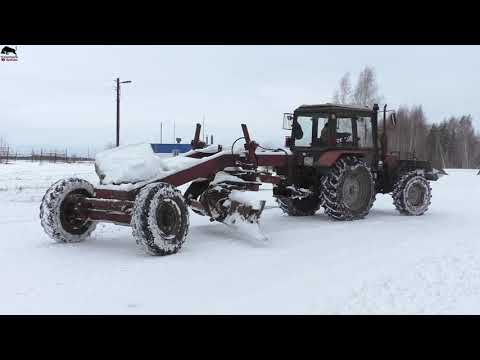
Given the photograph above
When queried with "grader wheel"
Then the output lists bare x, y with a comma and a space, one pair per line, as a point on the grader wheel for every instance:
160, 219
58, 215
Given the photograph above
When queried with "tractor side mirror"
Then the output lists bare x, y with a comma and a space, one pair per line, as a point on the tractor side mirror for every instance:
393, 119
287, 121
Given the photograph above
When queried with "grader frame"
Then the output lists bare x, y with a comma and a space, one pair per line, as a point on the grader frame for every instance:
112, 205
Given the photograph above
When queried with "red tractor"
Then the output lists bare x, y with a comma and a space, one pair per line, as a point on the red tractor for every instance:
332, 160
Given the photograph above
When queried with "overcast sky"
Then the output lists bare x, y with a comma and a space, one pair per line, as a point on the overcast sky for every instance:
63, 96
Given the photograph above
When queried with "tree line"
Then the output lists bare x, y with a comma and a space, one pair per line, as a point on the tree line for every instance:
450, 143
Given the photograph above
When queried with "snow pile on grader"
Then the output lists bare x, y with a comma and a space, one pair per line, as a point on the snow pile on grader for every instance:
340, 167
129, 164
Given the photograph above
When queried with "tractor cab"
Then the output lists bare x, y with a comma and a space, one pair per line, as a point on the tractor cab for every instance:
331, 126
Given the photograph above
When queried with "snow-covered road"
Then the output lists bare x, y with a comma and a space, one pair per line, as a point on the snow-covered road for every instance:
384, 264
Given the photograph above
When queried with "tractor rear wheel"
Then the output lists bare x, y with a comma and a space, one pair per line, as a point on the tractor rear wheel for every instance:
412, 194
160, 219
299, 206
348, 191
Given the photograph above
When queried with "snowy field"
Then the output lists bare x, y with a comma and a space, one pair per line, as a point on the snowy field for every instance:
384, 264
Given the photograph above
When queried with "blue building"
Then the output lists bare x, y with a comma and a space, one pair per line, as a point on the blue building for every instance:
172, 149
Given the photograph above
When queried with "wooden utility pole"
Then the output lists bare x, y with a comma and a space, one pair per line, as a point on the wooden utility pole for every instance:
118, 107
118, 112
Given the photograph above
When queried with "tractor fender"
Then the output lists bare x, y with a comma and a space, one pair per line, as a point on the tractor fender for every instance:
329, 158
422, 167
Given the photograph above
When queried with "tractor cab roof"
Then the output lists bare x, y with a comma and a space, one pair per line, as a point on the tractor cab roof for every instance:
340, 110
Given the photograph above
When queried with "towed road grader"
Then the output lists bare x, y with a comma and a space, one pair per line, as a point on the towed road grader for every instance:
333, 159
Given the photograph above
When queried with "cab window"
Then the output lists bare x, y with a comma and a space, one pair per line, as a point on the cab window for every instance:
364, 132
305, 123
322, 131
344, 132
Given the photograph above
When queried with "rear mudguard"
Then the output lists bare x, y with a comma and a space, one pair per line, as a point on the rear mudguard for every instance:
328, 158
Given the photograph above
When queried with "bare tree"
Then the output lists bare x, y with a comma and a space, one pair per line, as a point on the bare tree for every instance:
343, 94
366, 89
365, 92
409, 136
417, 131
452, 143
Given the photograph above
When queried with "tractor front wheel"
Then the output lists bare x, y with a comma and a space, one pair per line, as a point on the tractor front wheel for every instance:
160, 219
411, 194
348, 191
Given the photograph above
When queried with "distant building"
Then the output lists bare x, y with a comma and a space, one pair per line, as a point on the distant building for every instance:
173, 149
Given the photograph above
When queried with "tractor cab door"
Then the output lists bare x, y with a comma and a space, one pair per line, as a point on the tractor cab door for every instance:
313, 132
320, 132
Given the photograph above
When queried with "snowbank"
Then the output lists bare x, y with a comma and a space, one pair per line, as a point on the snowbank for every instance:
134, 163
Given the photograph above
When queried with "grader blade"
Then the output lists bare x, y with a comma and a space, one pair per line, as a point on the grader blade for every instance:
244, 218
244, 212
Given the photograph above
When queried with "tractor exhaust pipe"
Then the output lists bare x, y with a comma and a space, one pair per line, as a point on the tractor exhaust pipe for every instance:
384, 134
